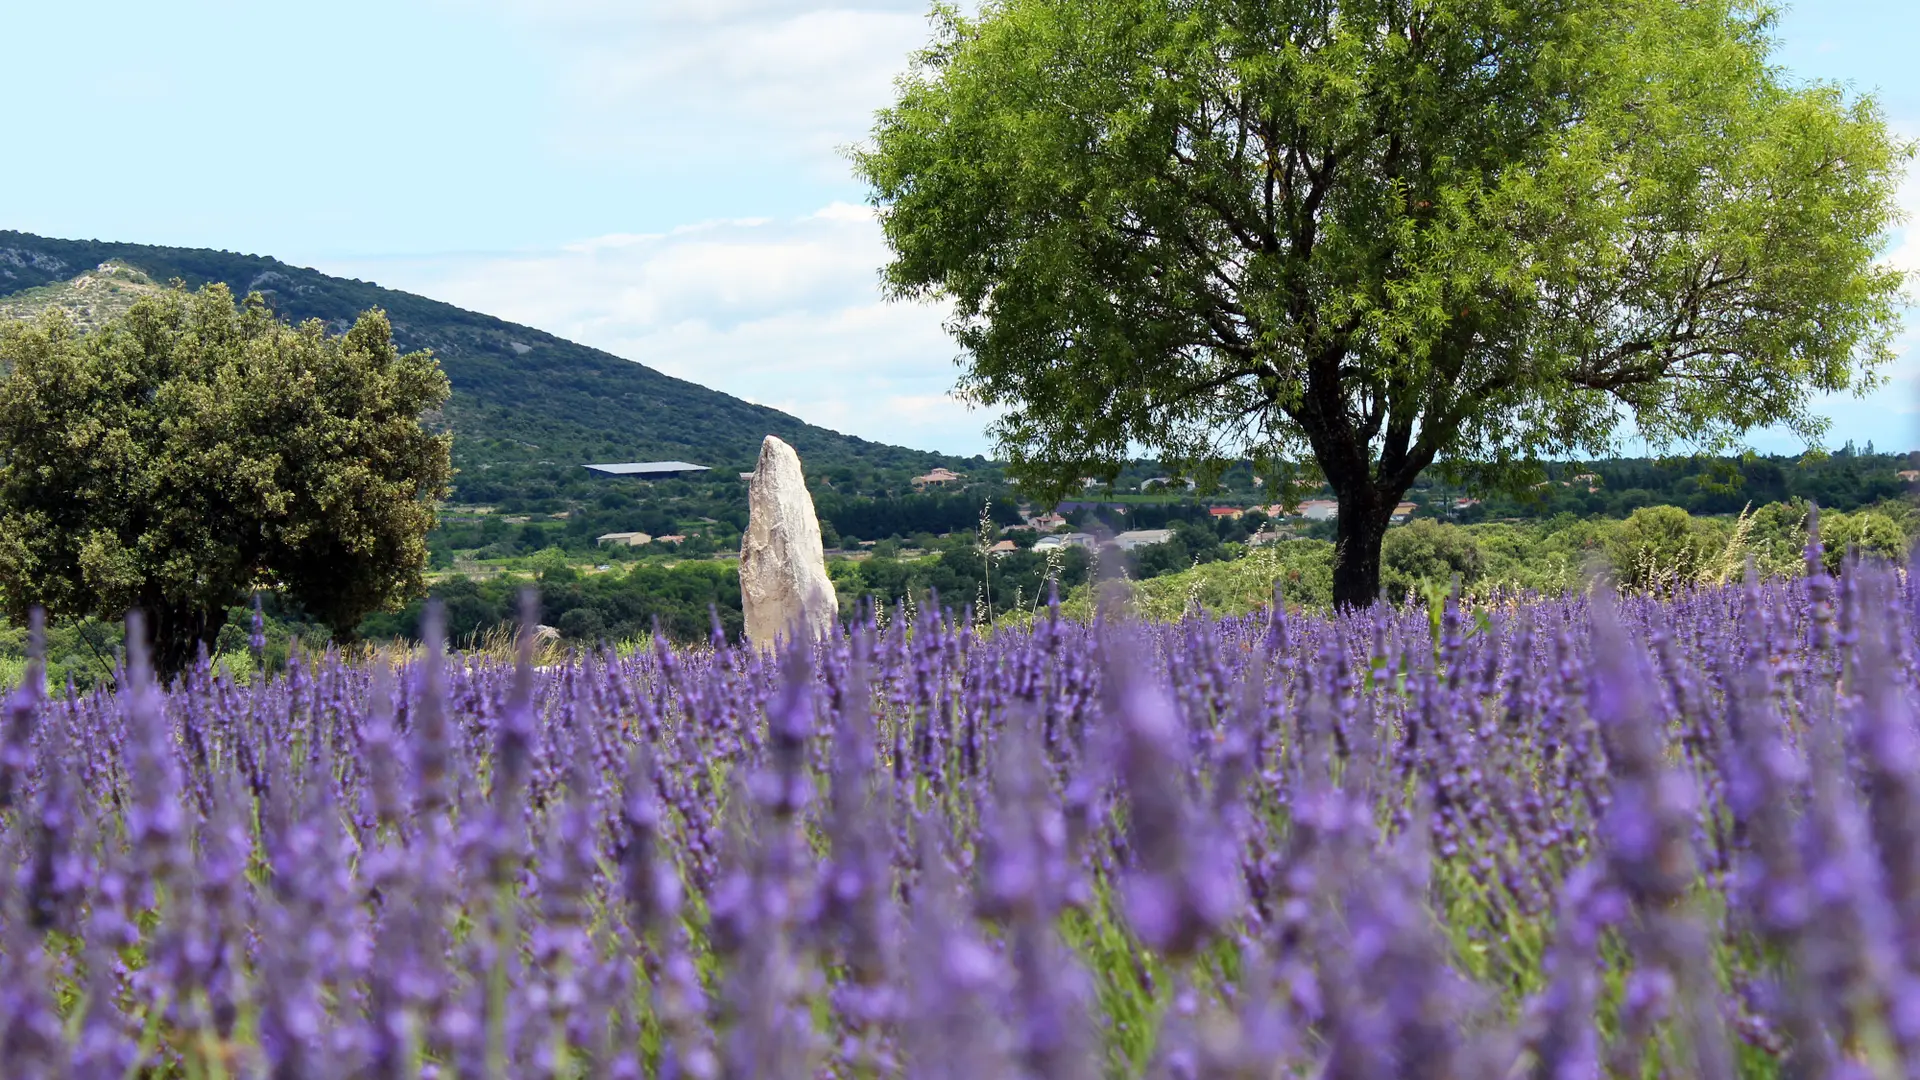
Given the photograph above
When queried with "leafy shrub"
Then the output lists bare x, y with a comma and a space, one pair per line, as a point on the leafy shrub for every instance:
1423, 553
1875, 534
1661, 547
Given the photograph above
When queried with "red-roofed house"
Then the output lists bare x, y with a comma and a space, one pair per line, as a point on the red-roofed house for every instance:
940, 475
1320, 509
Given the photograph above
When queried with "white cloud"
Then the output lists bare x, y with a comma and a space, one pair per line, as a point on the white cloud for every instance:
786, 312
694, 82
1906, 250
1899, 398
783, 313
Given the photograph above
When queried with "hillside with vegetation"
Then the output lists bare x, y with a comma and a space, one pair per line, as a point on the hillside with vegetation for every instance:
88, 300
528, 408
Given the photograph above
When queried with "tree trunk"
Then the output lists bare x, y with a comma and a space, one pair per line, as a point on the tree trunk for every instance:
177, 633
1365, 512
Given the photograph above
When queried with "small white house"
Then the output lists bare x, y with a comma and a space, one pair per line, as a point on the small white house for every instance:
1066, 540
1139, 538
629, 539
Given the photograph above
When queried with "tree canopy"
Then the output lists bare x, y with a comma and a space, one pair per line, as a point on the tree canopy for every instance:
194, 450
1384, 235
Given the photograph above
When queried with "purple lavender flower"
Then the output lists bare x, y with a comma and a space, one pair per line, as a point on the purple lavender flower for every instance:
1024, 883
900, 851
22, 709
155, 820
1649, 832
1563, 1037
1182, 889
257, 637
952, 1031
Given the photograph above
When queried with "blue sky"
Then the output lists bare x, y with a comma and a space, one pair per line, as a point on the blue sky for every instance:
658, 179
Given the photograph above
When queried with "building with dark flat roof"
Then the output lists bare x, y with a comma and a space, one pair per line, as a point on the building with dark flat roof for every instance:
649, 470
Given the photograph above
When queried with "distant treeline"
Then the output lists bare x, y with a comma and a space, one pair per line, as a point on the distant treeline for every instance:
619, 605
714, 507
624, 603
1847, 479
853, 518
960, 578
713, 516
544, 487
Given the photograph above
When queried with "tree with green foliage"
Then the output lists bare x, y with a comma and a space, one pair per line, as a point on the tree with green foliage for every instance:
1384, 235
1426, 552
1868, 534
194, 450
1662, 546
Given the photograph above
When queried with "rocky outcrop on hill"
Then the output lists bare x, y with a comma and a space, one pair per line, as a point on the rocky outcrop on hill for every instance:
90, 299
784, 588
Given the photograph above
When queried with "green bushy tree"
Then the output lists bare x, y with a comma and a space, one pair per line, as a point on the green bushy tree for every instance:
1427, 552
1875, 534
1658, 546
1777, 536
193, 450
1384, 235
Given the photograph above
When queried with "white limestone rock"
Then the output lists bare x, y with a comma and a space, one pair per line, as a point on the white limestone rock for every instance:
784, 587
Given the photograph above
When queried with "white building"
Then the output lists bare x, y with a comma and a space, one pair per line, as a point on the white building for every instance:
1139, 538
649, 470
1064, 540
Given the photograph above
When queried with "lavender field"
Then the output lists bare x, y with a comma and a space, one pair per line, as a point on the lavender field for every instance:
1576, 838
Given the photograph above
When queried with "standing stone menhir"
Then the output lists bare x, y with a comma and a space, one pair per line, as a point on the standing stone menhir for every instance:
784, 586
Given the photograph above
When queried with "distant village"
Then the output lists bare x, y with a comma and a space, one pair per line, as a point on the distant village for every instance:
1053, 525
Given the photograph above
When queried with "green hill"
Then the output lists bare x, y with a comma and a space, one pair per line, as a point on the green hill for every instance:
89, 299
527, 407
